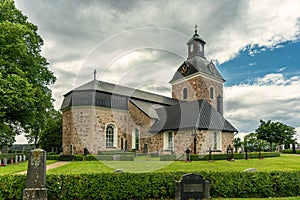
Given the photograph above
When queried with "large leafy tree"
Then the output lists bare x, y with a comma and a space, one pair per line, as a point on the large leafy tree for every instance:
51, 136
24, 74
275, 132
252, 143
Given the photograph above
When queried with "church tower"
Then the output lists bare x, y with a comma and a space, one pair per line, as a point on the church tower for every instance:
197, 78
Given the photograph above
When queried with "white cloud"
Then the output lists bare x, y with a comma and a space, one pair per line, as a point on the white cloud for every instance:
272, 97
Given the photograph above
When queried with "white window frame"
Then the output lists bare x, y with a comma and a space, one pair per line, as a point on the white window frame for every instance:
168, 141
135, 132
115, 135
217, 140
191, 47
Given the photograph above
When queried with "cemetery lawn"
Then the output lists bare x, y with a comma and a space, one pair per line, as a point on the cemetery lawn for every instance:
282, 163
273, 198
20, 167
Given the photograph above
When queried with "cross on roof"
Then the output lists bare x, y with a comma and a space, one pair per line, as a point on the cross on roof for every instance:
95, 72
196, 26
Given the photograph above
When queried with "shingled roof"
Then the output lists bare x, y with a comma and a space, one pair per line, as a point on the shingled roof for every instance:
186, 115
100, 93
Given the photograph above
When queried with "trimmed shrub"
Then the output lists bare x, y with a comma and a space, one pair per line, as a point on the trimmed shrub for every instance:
290, 151
52, 157
196, 157
156, 185
167, 157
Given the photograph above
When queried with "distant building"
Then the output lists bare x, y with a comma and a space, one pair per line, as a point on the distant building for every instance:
102, 116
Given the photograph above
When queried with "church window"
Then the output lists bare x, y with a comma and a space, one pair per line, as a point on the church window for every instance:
184, 93
135, 138
217, 140
191, 47
168, 140
211, 92
111, 135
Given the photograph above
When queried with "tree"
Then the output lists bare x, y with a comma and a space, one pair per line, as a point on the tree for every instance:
275, 132
237, 143
24, 73
252, 142
51, 136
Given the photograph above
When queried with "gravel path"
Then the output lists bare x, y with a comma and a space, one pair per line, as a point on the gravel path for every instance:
51, 166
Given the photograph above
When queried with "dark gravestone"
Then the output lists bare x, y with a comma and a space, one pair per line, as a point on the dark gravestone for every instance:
36, 176
192, 186
4, 149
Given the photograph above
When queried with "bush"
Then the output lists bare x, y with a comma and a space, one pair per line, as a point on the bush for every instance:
167, 157
290, 151
52, 157
156, 185
196, 157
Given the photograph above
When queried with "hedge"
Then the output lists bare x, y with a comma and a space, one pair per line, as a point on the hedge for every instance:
196, 157
90, 157
156, 185
290, 151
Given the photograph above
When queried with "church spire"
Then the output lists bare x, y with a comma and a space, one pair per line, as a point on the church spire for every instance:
196, 45
196, 26
95, 72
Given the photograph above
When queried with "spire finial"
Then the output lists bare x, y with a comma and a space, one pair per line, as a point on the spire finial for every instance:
95, 72
196, 26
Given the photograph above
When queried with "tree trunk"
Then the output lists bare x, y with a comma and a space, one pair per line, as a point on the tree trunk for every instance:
271, 147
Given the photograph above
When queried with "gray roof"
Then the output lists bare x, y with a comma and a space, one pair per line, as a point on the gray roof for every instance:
197, 64
99, 93
186, 115
147, 107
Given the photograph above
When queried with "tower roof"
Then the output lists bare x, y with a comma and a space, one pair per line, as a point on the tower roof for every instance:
196, 61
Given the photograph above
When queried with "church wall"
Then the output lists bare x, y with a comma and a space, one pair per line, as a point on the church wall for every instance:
84, 127
227, 138
198, 88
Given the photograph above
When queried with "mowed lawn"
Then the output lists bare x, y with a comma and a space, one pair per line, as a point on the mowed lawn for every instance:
283, 163
20, 167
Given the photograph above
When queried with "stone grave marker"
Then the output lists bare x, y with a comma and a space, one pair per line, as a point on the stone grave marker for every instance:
192, 186
4, 149
36, 176
4, 161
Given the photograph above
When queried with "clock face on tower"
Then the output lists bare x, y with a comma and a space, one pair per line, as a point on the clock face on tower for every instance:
183, 69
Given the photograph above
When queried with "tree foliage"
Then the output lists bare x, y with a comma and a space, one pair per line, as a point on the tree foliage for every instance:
24, 74
275, 132
51, 135
252, 143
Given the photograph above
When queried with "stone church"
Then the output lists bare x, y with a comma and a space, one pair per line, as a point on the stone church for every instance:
102, 116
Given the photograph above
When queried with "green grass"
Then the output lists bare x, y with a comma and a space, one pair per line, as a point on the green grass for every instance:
148, 164
81, 167
20, 167
282, 163
279, 198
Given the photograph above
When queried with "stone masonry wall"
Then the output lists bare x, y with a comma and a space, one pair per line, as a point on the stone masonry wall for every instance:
198, 88
85, 127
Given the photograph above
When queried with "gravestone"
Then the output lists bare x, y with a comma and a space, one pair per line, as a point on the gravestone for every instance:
36, 176
4, 161
192, 186
4, 149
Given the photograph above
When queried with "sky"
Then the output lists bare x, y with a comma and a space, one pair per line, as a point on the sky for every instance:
254, 44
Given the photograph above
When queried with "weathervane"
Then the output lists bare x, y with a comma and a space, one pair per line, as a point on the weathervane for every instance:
196, 26
95, 72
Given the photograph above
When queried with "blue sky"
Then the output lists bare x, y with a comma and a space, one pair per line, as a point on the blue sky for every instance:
246, 67
255, 44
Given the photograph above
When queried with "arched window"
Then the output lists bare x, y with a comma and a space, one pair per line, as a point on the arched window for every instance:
135, 138
111, 136
168, 141
211, 92
184, 93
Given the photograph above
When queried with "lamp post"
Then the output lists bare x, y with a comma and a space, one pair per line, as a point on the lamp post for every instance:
195, 142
